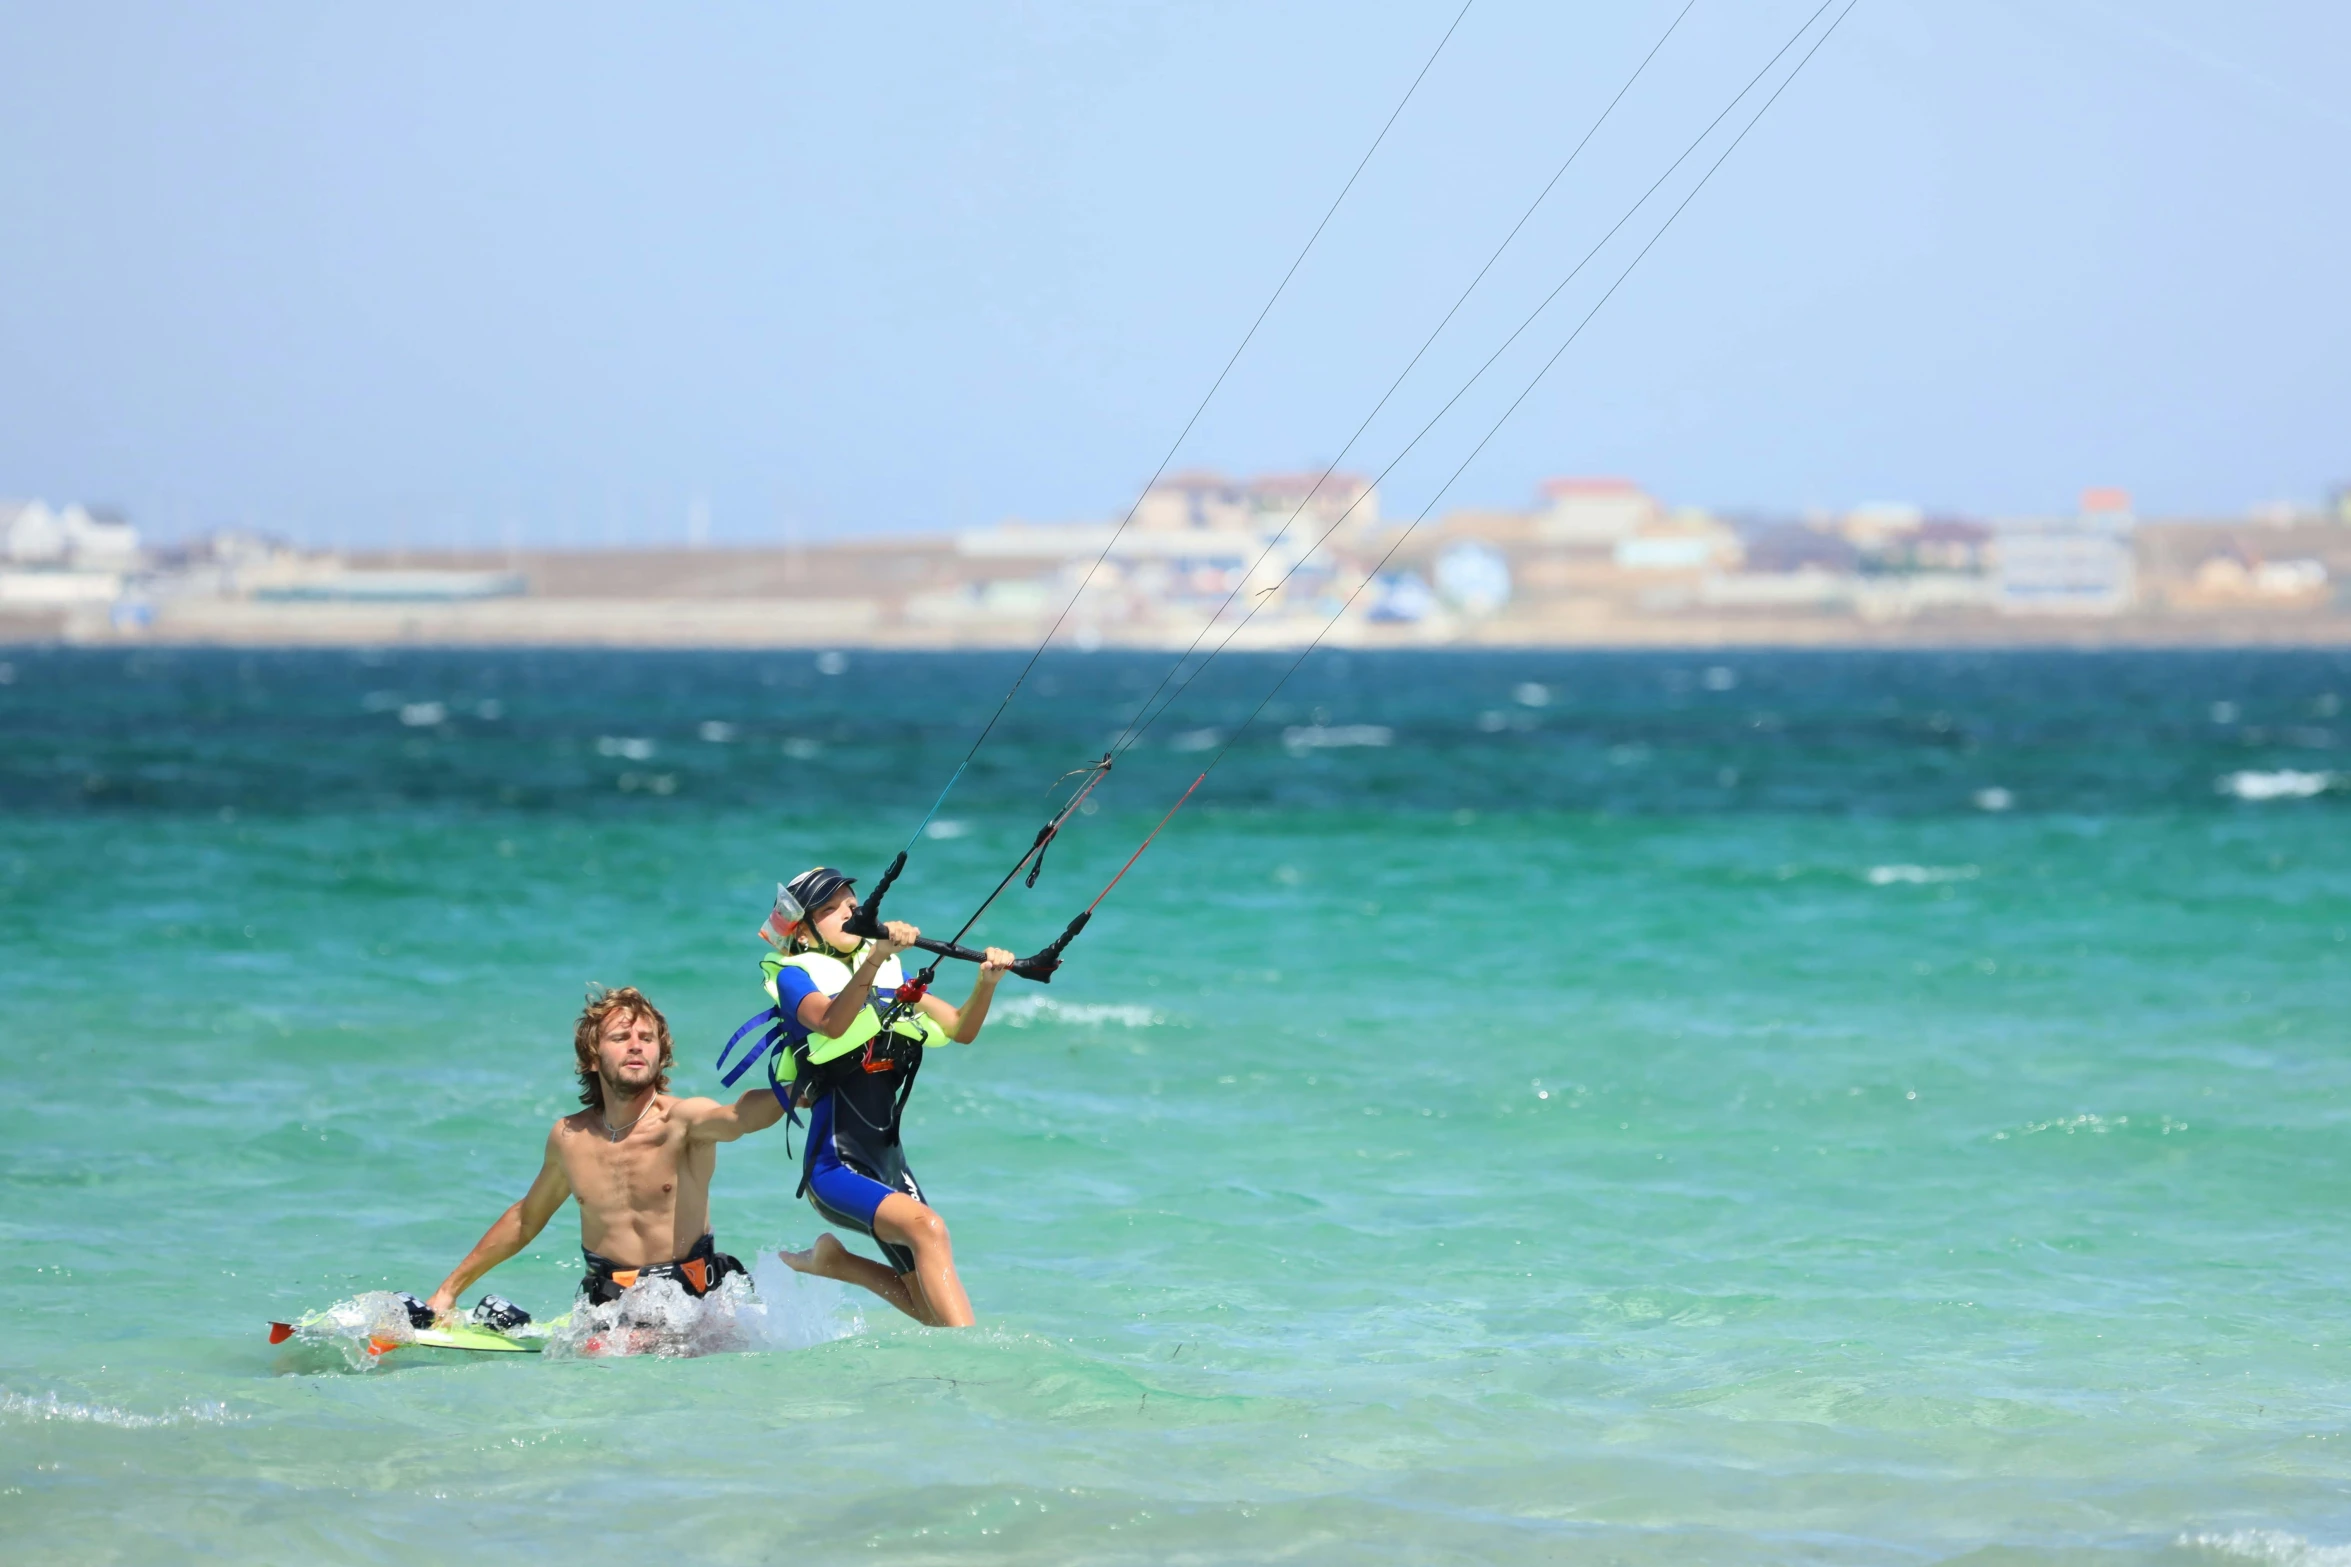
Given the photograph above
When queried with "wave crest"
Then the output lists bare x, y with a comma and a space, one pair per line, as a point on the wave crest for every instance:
1026, 1011
2284, 784
1920, 875
20, 1406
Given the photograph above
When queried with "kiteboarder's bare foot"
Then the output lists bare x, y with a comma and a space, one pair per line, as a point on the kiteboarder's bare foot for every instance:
827, 1259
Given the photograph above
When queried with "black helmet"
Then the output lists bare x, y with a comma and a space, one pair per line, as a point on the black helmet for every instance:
813, 889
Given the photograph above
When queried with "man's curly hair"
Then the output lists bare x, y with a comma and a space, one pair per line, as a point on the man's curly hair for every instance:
601, 1005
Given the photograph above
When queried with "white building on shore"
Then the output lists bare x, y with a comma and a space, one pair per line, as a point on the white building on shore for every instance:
33, 535
63, 559
2083, 565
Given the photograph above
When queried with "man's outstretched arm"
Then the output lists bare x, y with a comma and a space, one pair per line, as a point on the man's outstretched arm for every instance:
511, 1231
712, 1122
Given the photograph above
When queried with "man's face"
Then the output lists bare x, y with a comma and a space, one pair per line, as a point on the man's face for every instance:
628, 1051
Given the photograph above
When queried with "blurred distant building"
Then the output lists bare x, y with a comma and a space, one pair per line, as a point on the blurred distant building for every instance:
2107, 510
1474, 578
2062, 569
1783, 546
2257, 567
1266, 553
1948, 544
73, 559
1881, 562
1880, 525
33, 535
1202, 501
1595, 513
397, 585
1686, 540
2232, 579
1401, 598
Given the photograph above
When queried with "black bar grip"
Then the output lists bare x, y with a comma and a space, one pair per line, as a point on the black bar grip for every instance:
1041, 965
867, 921
1038, 967
950, 949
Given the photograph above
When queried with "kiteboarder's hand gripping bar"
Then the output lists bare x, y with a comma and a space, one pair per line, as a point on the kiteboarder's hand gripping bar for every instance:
1039, 966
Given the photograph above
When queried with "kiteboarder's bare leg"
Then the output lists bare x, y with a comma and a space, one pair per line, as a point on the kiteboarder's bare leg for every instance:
829, 1259
915, 1226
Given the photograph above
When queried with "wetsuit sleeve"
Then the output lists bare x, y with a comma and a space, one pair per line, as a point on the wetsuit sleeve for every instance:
793, 986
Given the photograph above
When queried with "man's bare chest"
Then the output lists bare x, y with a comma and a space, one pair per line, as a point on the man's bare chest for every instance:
636, 1173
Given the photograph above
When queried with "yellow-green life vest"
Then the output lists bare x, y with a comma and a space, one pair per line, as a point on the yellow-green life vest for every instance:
832, 976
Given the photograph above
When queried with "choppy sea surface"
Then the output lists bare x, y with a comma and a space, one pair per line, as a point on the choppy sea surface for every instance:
1740, 1108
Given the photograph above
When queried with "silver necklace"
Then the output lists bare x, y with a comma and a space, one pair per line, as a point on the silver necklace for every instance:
614, 1134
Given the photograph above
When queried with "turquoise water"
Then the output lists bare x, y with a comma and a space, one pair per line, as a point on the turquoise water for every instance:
1662, 1116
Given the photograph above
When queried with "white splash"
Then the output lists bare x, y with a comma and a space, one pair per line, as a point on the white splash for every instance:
2284, 784
802, 1312
1920, 875
775, 1309
18, 1406
943, 829
359, 1329
2274, 1546
657, 1317
1026, 1011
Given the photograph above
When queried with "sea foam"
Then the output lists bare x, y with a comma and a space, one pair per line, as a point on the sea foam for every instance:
2273, 1546
2283, 784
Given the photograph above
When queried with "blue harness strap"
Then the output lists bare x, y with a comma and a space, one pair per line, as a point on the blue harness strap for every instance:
783, 1097
769, 1048
774, 1018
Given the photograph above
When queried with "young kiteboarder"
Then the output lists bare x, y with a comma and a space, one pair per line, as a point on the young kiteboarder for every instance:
638, 1161
853, 1032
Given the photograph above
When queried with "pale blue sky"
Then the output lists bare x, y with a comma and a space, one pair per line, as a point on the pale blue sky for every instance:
345, 273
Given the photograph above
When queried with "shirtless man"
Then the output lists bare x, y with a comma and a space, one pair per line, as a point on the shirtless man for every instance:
638, 1160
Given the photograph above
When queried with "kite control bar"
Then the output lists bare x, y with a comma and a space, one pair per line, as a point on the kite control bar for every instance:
1039, 966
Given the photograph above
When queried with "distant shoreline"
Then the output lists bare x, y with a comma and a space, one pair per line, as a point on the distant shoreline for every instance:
1498, 583
2332, 634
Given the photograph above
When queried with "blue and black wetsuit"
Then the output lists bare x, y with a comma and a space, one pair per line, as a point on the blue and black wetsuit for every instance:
854, 1158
